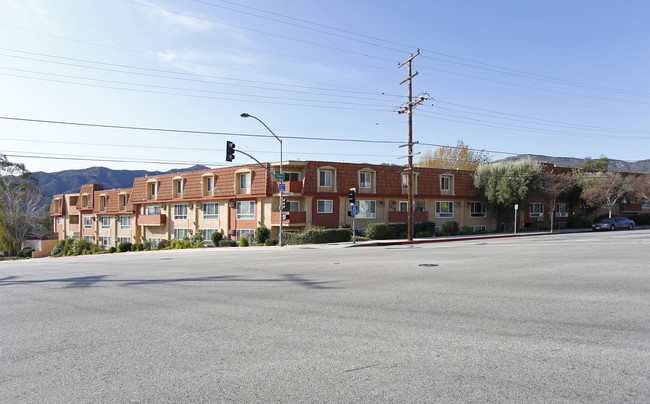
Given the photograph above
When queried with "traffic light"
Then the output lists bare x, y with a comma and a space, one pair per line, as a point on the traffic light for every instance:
230, 151
353, 196
285, 217
284, 204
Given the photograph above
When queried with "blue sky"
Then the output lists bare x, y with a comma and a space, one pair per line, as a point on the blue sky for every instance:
560, 78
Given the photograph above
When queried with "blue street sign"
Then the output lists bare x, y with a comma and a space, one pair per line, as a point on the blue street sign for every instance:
281, 187
354, 209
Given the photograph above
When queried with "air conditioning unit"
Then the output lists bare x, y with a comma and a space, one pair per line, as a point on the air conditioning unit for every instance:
458, 203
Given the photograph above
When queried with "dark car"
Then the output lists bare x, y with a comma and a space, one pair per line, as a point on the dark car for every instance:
614, 223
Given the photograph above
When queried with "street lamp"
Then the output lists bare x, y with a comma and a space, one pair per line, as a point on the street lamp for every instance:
245, 115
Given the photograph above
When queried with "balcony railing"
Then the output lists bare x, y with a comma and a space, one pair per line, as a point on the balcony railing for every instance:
295, 218
73, 227
151, 220
289, 186
402, 217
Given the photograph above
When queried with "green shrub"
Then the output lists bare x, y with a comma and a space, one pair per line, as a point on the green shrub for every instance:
198, 237
451, 227
243, 241
467, 230
227, 243
147, 245
425, 227
124, 247
272, 241
112, 250
162, 244
581, 220
25, 253
197, 244
378, 231
261, 234
186, 243
137, 247
81, 246
216, 237
177, 244
317, 235
57, 250
422, 234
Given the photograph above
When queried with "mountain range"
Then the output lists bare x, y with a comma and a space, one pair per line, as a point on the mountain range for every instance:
70, 181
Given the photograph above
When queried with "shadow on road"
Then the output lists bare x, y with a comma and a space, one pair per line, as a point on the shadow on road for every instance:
99, 280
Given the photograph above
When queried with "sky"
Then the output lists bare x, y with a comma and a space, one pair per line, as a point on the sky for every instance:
161, 84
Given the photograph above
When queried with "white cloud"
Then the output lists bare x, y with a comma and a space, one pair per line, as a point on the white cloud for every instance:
180, 19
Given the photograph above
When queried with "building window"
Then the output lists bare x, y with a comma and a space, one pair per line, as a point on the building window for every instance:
125, 239
106, 222
291, 206
536, 209
478, 228
102, 202
444, 183
367, 210
403, 206
365, 180
89, 239
243, 232
153, 210
246, 210
561, 210
325, 179
123, 200
153, 189
477, 209
211, 210
324, 206
88, 222
84, 201
179, 187
155, 240
405, 181
207, 233
244, 181
125, 222
444, 209
105, 241
59, 221
290, 176
180, 234
209, 183
180, 211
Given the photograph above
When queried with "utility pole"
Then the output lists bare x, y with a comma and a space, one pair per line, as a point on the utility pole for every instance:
409, 108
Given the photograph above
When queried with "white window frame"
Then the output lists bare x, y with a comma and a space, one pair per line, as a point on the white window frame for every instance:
473, 212
88, 222
106, 219
153, 210
153, 189
242, 232
244, 180
405, 181
123, 201
59, 220
125, 240
292, 206
561, 209
324, 206
123, 225
105, 240
179, 187
367, 209
405, 204
289, 174
214, 215
209, 183
445, 183
325, 178
447, 213
178, 211
247, 214
534, 211
365, 180
102, 202
207, 233
478, 227
180, 232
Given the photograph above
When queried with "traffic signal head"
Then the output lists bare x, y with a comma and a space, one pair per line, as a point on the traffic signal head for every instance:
230, 151
353, 196
284, 204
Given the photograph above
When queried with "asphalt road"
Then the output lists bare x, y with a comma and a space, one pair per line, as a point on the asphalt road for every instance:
557, 318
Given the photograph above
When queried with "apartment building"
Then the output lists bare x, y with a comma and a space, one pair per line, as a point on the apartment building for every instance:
236, 200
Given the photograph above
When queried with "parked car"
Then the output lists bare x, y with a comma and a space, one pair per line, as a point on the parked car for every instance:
614, 223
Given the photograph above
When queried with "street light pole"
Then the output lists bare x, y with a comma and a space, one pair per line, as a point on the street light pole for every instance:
245, 115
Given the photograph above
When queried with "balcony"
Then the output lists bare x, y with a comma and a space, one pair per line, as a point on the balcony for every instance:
73, 227
151, 220
402, 217
295, 218
290, 186
631, 207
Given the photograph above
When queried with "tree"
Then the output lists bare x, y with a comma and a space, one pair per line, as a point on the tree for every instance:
607, 189
454, 157
558, 184
21, 204
641, 186
600, 164
505, 184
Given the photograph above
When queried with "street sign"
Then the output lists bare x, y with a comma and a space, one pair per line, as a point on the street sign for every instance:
279, 176
281, 187
354, 210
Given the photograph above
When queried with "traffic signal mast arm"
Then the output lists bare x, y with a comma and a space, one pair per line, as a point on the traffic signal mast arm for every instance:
230, 147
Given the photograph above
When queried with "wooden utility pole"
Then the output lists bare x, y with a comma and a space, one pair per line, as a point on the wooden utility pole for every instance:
409, 108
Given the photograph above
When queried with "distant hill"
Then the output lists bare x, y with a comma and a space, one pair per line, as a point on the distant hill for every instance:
641, 166
70, 181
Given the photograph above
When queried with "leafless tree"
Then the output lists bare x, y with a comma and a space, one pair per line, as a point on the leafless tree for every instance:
607, 189
558, 184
